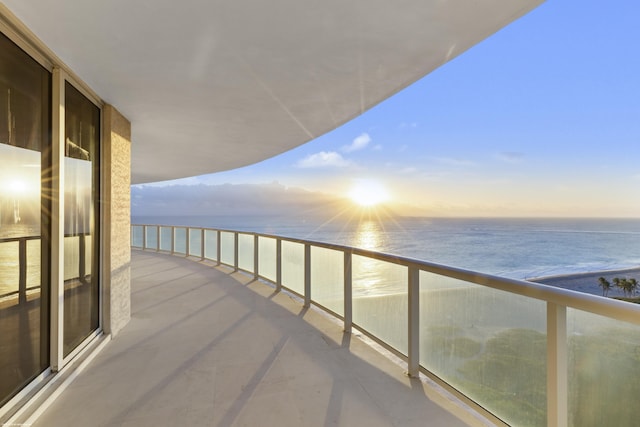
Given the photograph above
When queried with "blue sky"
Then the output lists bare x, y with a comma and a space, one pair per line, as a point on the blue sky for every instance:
541, 119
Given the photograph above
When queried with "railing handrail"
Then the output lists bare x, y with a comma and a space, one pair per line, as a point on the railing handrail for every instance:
17, 239
595, 304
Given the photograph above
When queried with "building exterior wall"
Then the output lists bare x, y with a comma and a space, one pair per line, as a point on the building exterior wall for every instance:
117, 220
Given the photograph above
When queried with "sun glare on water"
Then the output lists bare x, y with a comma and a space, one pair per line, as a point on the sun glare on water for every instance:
368, 193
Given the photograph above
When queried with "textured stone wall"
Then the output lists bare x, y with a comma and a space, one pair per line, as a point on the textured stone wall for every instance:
117, 221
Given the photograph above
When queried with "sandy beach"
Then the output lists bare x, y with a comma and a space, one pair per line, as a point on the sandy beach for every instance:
588, 282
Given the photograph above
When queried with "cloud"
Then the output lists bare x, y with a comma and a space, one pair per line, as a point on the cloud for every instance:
377, 147
323, 159
510, 156
358, 143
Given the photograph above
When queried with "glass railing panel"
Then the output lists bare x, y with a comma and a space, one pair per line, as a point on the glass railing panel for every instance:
195, 242
136, 236
245, 252
88, 242
227, 247
166, 234
9, 267
267, 258
327, 278
211, 244
380, 300
293, 266
71, 257
603, 370
180, 237
33, 263
152, 237
489, 344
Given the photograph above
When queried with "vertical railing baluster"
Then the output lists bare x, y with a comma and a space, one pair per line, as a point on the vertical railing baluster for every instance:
235, 251
173, 240
187, 237
157, 238
144, 237
307, 275
82, 254
22, 268
202, 234
218, 246
278, 264
348, 291
413, 350
557, 410
255, 257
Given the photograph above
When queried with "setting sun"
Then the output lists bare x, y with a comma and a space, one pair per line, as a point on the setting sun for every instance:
368, 193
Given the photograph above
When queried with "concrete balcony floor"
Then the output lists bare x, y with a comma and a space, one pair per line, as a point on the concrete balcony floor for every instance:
208, 347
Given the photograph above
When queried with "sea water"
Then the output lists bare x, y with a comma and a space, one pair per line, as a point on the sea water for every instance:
511, 247
515, 248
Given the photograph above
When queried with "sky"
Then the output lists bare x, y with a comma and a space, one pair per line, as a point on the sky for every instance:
540, 119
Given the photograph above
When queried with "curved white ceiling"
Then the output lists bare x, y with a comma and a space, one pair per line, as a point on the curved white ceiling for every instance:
215, 85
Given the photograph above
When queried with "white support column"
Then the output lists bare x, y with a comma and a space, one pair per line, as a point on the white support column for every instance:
413, 350
557, 411
57, 221
307, 275
348, 292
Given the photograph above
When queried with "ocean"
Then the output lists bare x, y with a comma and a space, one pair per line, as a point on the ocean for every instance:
520, 248
515, 248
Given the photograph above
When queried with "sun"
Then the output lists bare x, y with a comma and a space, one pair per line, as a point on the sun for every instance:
368, 193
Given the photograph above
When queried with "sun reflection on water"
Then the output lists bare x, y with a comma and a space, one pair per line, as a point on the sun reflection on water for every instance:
368, 235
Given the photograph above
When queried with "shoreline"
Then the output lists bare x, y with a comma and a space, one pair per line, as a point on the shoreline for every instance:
588, 281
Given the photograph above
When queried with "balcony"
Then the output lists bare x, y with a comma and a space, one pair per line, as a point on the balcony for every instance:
210, 346
234, 328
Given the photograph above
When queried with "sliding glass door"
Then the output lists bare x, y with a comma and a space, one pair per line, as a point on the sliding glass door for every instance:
81, 184
45, 309
25, 188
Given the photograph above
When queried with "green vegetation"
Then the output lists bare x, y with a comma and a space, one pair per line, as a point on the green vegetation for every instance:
603, 379
509, 377
508, 374
628, 286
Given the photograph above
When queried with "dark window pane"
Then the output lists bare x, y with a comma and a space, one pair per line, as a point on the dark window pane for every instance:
24, 218
81, 181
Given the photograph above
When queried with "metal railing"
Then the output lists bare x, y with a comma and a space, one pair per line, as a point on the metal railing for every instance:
22, 268
464, 329
75, 267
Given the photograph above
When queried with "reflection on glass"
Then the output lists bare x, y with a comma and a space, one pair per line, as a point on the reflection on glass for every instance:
267, 257
489, 344
380, 299
24, 221
327, 278
211, 244
293, 266
245, 252
604, 367
81, 184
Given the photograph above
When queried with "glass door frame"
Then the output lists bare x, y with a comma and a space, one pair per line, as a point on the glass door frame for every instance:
57, 359
26, 40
